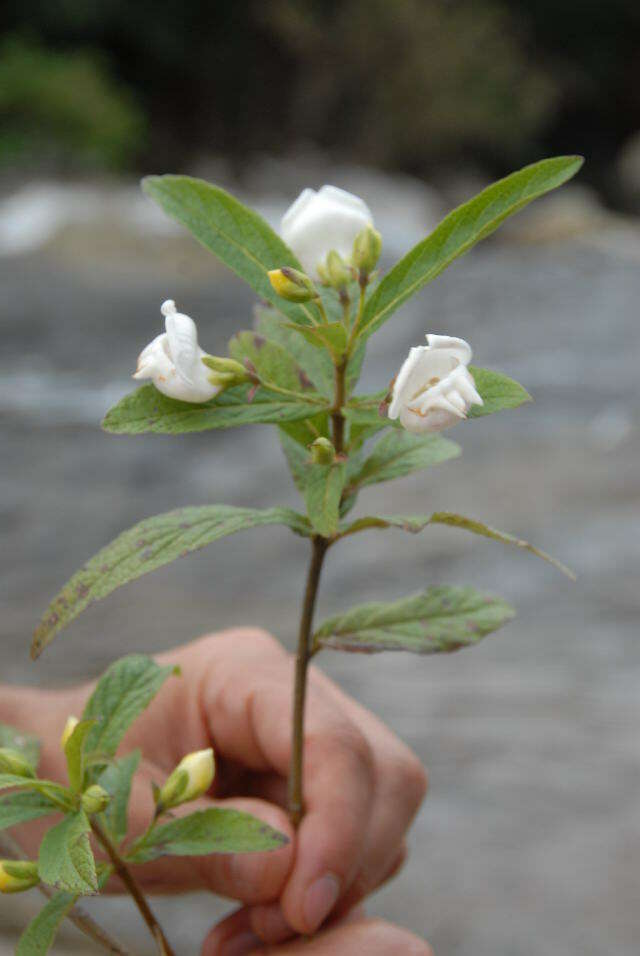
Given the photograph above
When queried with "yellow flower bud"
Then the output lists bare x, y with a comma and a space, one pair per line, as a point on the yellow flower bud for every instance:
95, 799
16, 876
191, 779
292, 285
367, 247
12, 761
322, 451
69, 727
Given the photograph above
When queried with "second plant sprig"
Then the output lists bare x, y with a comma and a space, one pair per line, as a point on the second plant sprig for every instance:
95, 804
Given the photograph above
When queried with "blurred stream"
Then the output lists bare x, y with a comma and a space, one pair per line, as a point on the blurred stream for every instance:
529, 841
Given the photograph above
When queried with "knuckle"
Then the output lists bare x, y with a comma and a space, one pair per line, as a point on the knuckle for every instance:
415, 781
347, 740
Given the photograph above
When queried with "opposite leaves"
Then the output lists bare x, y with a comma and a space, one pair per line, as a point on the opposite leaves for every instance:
440, 619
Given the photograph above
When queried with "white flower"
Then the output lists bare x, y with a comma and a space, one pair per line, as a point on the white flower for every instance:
434, 388
318, 222
173, 361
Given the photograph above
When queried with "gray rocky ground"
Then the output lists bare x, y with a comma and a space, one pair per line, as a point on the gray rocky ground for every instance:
529, 842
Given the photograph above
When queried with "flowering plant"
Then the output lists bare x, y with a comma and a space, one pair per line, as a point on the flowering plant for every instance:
297, 369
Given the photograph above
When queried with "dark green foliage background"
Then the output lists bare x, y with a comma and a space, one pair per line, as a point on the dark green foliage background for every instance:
496, 81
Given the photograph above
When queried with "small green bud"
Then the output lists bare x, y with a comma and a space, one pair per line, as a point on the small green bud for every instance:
322, 451
225, 371
292, 285
12, 761
95, 799
336, 270
16, 876
191, 779
367, 247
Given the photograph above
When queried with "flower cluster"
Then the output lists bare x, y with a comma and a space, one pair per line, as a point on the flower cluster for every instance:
332, 234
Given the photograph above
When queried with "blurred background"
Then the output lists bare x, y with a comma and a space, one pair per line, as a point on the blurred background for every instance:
530, 839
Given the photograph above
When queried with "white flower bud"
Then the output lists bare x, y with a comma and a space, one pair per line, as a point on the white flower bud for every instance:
434, 388
69, 727
319, 222
191, 779
173, 361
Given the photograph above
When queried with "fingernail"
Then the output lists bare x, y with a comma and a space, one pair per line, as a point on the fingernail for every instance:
239, 945
320, 899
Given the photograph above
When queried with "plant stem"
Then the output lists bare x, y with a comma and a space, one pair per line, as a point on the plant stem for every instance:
85, 923
296, 799
125, 874
337, 418
304, 654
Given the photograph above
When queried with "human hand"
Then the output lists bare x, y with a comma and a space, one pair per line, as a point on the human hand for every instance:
363, 786
353, 936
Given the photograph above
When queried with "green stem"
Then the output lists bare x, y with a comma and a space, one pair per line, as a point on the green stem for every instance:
296, 794
300, 396
337, 417
356, 324
122, 870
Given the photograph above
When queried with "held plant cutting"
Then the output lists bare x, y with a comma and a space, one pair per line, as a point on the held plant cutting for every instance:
321, 298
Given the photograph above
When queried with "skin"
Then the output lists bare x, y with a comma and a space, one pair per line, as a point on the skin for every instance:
235, 695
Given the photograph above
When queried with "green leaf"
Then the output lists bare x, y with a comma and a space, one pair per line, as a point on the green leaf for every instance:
354, 366
322, 491
123, 692
65, 858
13, 780
497, 392
298, 458
148, 410
399, 453
411, 523
416, 523
332, 336
151, 544
74, 750
235, 234
39, 935
477, 527
462, 229
440, 619
208, 831
116, 780
306, 432
22, 806
316, 363
25, 744
273, 363
46, 787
